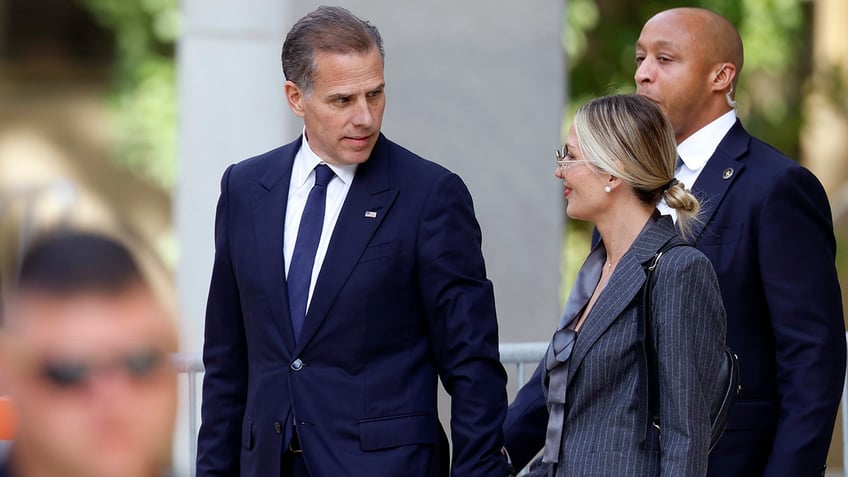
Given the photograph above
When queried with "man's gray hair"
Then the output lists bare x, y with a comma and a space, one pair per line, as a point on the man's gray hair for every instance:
327, 29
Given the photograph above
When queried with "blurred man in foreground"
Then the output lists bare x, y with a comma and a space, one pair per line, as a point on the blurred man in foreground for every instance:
84, 357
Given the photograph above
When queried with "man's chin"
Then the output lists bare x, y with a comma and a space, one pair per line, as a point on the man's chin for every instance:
359, 156
649, 97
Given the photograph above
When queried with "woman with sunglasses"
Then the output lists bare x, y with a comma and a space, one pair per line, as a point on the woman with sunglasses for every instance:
616, 166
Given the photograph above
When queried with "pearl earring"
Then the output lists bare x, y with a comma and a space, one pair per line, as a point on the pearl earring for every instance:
607, 189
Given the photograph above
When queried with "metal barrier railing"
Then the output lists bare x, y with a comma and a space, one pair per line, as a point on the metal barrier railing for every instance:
512, 354
518, 355
190, 364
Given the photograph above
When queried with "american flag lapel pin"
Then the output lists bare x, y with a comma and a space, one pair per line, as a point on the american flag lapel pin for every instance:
371, 214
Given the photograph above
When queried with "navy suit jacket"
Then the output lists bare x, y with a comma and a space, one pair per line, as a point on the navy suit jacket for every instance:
769, 235
768, 232
401, 300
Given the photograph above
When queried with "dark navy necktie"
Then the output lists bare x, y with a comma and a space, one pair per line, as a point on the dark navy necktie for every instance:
303, 258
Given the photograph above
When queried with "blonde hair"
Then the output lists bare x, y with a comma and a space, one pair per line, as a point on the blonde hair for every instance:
629, 137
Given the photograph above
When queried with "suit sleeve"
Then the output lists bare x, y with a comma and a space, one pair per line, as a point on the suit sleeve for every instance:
224, 357
526, 421
459, 304
797, 266
689, 324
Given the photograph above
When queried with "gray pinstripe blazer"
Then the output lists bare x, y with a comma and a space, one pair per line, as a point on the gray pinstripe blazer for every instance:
602, 419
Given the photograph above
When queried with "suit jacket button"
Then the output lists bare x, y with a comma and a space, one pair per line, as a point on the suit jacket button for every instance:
278, 427
297, 365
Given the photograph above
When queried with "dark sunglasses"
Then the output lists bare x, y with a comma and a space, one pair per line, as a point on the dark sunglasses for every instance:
74, 374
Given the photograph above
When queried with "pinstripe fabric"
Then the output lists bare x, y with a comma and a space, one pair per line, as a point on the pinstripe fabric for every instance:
602, 410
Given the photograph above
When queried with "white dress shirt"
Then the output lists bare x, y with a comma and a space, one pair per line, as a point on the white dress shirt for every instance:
302, 180
696, 150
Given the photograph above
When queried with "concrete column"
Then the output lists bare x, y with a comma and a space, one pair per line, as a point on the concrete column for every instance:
231, 106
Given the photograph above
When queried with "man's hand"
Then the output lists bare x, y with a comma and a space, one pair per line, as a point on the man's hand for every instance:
511, 471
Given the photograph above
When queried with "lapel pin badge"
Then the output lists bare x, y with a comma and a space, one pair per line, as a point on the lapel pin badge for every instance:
727, 174
370, 214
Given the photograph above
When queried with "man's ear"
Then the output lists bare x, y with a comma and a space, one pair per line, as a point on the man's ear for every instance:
723, 80
295, 98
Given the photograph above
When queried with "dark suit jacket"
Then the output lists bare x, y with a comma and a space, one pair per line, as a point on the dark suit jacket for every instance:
604, 416
769, 234
401, 300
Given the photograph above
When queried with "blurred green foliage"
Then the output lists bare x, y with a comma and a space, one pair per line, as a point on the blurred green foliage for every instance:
144, 93
599, 39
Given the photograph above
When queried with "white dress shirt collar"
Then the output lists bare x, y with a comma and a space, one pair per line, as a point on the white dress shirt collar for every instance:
306, 160
697, 149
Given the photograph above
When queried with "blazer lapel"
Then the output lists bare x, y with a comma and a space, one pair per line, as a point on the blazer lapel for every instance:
368, 202
625, 283
270, 198
719, 173
618, 293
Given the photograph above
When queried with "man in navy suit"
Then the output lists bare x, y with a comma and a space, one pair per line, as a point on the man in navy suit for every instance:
769, 234
767, 229
328, 365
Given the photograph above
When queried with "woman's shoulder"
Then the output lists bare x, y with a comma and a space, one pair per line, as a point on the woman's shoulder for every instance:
683, 257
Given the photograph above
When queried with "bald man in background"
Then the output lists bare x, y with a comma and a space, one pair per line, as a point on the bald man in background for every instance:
768, 231
84, 357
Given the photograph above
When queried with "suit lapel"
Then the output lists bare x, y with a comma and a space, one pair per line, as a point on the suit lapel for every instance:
368, 202
719, 173
270, 198
622, 288
619, 292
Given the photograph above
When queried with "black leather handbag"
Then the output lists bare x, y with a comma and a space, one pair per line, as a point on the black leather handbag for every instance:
723, 396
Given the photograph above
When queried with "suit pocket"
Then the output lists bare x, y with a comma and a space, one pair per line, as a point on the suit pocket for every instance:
724, 235
247, 433
753, 414
396, 431
381, 250
720, 244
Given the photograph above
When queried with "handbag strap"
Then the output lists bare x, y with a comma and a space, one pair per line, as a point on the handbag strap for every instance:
649, 386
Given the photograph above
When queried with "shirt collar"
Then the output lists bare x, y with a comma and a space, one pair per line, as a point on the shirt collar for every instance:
697, 149
306, 160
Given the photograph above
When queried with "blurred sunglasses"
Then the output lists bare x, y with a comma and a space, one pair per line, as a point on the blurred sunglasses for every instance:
71, 374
